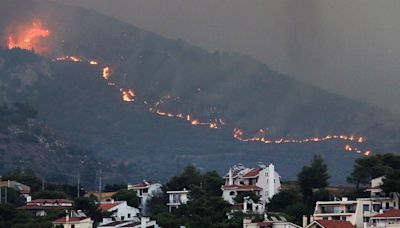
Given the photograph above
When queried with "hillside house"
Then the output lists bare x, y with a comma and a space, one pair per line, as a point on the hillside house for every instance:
358, 212
24, 190
177, 198
120, 211
39, 207
263, 181
145, 190
74, 219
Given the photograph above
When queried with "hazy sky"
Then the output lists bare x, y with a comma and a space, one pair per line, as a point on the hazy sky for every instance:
351, 47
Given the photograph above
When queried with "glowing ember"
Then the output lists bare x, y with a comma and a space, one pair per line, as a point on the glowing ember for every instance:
69, 58
218, 123
128, 95
28, 37
106, 73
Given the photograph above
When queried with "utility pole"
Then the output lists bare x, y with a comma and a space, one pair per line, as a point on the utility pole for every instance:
0, 195
79, 184
5, 197
42, 184
100, 186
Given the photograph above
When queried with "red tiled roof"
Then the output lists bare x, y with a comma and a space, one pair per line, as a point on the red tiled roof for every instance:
395, 213
142, 184
334, 224
253, 172
22, 188
36, 207
241, 187
71, 219
265, 224
50, 201
107, 206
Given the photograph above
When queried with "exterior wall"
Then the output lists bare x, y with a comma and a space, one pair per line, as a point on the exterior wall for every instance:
177, 198
81, 224
270, 184
364, 209
123, 210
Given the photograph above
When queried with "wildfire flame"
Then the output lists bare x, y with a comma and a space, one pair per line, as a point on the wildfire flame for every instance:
128, 95
28, 37
106, 73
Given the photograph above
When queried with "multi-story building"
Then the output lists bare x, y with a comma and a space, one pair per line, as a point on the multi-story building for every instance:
263, 181
39, 207
177, 198
119, 209
145, 190
360, 211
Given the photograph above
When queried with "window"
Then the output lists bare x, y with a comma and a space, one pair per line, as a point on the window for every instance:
366, 219
365, 207
72, 225
232, 193
129, 215
387, 205
122, 218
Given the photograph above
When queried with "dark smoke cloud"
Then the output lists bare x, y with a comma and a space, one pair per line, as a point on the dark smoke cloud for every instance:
349, 47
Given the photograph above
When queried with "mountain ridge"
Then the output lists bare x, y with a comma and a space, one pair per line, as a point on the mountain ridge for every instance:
73, 97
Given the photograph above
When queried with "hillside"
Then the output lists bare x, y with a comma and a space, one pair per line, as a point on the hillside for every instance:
158, 77
34, 147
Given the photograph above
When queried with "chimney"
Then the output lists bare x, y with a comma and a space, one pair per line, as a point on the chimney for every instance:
305, 220
143, 222
230, 177
271, 180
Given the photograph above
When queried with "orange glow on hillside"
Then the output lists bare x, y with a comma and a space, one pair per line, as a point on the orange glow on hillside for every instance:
28, 37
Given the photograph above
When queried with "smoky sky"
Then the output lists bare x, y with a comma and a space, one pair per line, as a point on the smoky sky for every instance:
347, 47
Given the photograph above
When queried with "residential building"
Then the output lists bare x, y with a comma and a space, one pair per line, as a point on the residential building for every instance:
119, 209
136, 223
177, 198
388, 219
247, 223
263, 181
39, 207
24, 190
330, 224
74, 219
145, 190
104, 196
358, 212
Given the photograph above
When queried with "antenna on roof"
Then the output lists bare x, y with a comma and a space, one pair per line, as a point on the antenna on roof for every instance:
262, 165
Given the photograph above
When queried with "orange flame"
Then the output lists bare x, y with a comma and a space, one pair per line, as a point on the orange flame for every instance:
106, 73
28, 37
128, 95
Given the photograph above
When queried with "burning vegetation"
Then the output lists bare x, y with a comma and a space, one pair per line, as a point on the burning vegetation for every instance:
29, 37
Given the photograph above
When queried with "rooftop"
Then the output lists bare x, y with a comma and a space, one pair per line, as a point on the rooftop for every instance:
394, 213
334, 224
71, 219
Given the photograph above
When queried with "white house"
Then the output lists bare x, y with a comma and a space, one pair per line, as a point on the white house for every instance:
247, 223
136, 223
358, 212
330, 224
177, 198
120, 211
74, 219
145, 190
39, 207
389, 219
263, 181
24, 190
